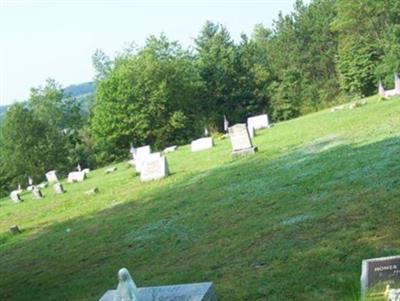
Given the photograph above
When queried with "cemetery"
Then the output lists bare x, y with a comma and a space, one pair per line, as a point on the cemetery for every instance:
196, 225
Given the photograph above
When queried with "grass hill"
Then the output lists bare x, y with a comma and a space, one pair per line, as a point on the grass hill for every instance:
292, 222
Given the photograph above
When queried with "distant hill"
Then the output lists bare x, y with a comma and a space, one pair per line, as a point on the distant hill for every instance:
83, 93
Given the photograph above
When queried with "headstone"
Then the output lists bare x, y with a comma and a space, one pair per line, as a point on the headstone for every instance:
86, 171
240, 140
154, 167
252, 132
202, 144
128, 291
111, 169
170, 149
51, 176
15, 230
397, 83
258, 122
15, 196
58, 188
205, 132
36, 194
79, 168
91, 191
19, 187
30, 188
30, 181
76, 176
381, 90
140, 154
380, 276
132, 151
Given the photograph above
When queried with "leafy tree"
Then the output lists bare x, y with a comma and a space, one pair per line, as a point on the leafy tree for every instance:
149, 97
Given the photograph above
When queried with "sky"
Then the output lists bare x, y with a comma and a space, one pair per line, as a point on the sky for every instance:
42, 39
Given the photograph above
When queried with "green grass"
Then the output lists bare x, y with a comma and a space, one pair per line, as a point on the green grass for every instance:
292, 222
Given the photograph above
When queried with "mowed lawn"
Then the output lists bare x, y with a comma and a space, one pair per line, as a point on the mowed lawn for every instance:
292, 222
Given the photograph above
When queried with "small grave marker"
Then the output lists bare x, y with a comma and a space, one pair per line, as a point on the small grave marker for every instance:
202, 144
58, 188
240, 140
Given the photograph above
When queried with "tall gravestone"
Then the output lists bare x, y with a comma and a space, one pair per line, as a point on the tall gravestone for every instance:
51, 176
240, 140
202, 144
380, 277
154, 167
128, 291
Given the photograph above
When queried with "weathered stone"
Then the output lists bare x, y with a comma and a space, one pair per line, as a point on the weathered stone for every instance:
76, 176
141, 153
127, 291
91, 191
14, 229
51, 176
36, 194
111, 169
58, 188
258, 122
379, 276
202, 144
154, 167
240, 140
15, 196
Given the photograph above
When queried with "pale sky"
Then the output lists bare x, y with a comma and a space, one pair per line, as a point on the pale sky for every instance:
55, 39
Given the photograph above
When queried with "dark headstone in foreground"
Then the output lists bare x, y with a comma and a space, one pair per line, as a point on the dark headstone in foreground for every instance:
185, 292
380, 277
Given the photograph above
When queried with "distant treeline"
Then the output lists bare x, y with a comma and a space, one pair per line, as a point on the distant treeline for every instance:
162, 94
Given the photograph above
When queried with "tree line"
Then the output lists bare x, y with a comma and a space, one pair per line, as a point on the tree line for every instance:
323, 53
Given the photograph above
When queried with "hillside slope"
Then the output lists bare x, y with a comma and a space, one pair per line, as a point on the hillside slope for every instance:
292, 222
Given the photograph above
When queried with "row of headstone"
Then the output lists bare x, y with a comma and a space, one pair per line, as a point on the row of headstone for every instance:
390, 93
128, 291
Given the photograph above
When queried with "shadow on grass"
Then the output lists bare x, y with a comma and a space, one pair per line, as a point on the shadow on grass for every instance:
295, 228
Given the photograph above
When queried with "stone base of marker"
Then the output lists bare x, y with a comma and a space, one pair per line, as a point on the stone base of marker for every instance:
58, 188
15, 230
91, 191
245, 151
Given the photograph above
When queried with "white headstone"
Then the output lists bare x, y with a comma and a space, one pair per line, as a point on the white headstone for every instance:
202, 144
258, 122
86, 171
226, 124
76, 176
51, 176
36, 194
30, 181
240, 140
154, 167
79, 168
15, 197
140, 155
58, 188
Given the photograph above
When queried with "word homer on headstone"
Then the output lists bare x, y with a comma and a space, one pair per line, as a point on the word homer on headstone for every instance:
380, 278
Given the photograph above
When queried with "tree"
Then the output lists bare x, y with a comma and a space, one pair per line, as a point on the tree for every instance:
149, 97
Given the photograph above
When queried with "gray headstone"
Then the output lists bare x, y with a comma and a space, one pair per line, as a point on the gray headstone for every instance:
380, 275
15, 196
76, 176
240, 140
51, 176
154, 167
14, 229
202, 144
58, 188
186, 292
36, 194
